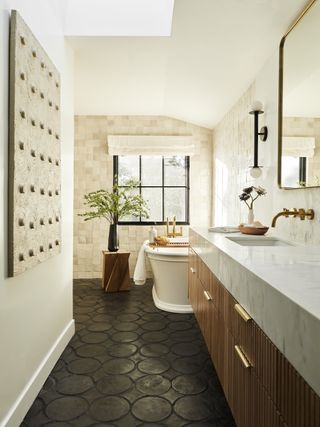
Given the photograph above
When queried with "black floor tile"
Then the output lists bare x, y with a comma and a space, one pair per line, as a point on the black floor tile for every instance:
130, 365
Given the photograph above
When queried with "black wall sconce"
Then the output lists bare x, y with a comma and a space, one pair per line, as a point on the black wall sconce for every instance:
256, 109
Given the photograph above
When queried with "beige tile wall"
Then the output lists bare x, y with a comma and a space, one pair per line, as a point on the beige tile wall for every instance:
93, 170
233, 154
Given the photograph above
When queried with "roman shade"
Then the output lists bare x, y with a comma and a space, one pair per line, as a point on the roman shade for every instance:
150, 145
298, 146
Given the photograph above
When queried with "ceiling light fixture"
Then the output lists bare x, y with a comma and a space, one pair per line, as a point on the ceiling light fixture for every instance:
256, 109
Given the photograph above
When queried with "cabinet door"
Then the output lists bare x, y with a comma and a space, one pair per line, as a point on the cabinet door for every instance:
250, 404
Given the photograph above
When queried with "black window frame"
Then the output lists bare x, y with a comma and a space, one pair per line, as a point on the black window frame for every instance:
186, 187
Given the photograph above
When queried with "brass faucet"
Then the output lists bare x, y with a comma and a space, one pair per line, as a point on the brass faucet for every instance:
301, 213
174, 232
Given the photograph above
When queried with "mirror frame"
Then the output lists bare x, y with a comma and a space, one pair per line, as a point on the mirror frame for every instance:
280, 94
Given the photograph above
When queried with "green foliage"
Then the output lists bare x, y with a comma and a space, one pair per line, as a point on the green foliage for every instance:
115, 204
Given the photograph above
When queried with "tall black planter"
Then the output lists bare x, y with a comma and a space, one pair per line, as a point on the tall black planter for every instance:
113, 241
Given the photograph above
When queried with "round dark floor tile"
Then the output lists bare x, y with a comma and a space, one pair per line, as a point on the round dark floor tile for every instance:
102, 318
114, 384
89, 350
79, 326
185, 349
74, 384
151, 425
186, 365
151, 409
206, 424
153, 385
59, 366
82, 318
118, 366
125, 326
153, 326
94, 337
179, 317
66, 408
109, 408
122, 350
124, 336
154, 336
99, 327
102, 425
192, 408
180, 326
49, 384
153, 366
35, 408
188, 335
189, 384
130, 310
58, 424
154, 350
127, 317
153, 317
83, 310
83, 366
150, 308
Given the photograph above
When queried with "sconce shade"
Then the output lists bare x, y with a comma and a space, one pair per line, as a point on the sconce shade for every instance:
256, 107
255, 172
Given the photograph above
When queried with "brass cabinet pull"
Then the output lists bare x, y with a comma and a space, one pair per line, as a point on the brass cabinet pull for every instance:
193, 271
207, 295
242, 357
242, 312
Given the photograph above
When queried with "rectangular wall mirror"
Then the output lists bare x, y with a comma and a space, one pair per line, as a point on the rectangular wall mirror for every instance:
299, 102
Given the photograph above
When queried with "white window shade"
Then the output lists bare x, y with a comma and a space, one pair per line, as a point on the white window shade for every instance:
298, 146
150, 145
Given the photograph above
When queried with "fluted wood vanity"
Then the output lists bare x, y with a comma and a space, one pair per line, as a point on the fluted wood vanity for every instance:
262, 387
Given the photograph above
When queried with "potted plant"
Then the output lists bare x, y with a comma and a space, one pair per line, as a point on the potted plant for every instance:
114, 204
249, 195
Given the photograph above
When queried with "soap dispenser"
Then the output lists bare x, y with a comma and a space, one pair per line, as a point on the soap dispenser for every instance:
152, 234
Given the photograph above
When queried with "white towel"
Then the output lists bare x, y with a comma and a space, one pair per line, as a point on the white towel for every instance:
140, 273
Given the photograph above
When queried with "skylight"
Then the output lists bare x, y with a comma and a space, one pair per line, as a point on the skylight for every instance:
119, 18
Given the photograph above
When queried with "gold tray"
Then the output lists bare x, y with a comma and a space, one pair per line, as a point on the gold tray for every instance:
170, 245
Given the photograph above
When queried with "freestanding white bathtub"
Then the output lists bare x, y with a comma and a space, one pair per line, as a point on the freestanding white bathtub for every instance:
170, 271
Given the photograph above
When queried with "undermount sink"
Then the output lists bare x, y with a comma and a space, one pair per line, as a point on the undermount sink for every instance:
259, 241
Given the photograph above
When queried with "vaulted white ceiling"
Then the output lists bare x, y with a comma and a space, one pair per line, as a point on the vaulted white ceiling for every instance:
196, 74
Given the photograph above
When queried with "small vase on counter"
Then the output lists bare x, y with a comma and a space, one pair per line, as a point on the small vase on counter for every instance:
250, 216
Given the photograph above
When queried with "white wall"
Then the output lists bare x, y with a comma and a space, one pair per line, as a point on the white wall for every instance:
35, 307
233, 154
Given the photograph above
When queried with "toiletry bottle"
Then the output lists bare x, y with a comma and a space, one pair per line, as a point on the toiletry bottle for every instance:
154, 233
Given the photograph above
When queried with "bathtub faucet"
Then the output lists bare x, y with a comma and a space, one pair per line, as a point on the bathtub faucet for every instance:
174, 232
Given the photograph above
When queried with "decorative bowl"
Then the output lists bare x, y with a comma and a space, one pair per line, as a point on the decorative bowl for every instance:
258, 231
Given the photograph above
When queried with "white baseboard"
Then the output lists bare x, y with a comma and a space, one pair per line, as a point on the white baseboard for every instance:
23, 402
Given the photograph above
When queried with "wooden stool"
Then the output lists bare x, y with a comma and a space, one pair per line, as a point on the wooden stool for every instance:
115, 271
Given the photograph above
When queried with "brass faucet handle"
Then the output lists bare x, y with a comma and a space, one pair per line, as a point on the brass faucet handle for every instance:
309, 214
302, 214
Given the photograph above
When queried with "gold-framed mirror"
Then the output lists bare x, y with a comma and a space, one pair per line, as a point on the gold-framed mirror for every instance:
299, 102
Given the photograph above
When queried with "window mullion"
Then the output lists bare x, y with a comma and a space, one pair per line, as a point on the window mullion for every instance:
162, 188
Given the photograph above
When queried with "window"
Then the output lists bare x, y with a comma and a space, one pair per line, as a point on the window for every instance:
163, 182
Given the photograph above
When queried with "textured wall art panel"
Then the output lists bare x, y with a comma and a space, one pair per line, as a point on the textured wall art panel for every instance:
34, 152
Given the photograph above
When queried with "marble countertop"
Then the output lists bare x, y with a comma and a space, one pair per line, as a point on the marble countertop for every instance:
280, 288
